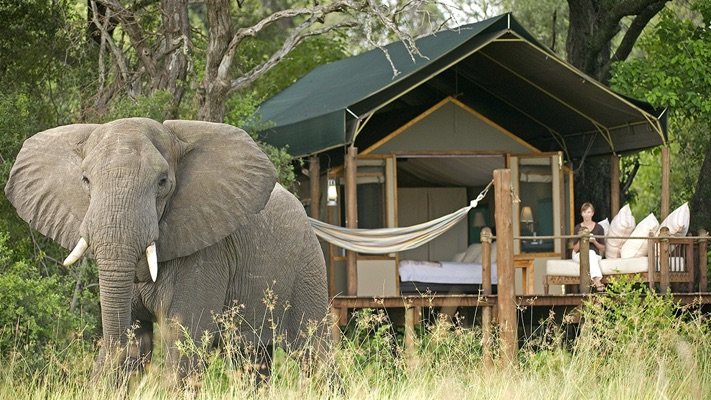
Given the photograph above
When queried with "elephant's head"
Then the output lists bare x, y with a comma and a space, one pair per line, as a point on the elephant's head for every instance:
121, 187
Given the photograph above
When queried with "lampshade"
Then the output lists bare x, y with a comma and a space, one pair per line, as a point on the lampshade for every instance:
526, 215
332, 193
479, 221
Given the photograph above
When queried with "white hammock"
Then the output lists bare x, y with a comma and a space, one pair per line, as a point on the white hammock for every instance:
392, 240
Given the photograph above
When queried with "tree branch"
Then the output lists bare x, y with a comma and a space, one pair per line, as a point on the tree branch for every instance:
635, 29
106, 38
289, 44
135, 34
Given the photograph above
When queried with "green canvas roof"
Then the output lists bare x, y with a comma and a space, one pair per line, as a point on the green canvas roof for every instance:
493, 66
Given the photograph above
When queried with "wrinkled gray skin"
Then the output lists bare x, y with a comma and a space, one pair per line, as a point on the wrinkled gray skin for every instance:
206, 195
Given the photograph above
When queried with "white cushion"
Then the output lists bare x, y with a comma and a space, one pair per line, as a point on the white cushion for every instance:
632, 265
608, 266
622, 225
677, 221
562, 268
472, 253
638, 247
612, 266
493, 254
605, 224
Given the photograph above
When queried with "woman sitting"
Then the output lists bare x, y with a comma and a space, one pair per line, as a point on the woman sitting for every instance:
597, 246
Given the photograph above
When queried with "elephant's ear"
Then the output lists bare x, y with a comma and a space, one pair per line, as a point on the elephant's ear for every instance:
45, 182
221, 176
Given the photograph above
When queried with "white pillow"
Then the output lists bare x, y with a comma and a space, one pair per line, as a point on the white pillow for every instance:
493, 254
622, 225
677, 221
472, 253
459, 257
638, 247
605, 224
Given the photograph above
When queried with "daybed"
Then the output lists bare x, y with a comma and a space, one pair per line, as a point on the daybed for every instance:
462, 275
660, 258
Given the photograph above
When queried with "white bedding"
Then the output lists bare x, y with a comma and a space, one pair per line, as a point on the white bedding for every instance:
443, 272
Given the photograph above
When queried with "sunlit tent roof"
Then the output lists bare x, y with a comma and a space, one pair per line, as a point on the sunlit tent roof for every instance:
493, 66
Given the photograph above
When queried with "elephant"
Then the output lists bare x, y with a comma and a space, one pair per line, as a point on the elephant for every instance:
184, 219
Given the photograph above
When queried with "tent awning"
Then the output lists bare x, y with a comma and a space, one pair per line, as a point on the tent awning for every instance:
494, 66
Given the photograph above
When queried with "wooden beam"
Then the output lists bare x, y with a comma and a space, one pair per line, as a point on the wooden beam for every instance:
505, 266
703, 259
351, 218
614, 185
663, 259
331, 213
584, 260
315, 186
486, 327
665, 183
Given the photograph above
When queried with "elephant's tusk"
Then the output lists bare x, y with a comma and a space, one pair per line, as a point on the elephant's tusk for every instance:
76, 254
152, 257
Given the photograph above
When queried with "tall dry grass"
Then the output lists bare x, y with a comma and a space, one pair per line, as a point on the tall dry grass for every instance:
632, 344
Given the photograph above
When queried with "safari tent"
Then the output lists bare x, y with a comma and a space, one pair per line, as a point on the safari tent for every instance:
396, 144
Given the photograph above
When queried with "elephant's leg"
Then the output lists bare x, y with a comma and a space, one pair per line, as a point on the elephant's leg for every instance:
140, 346
263, 364
308, 322
199, 292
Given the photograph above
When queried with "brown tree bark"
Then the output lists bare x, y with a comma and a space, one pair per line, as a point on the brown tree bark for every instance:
593, 25
699, 206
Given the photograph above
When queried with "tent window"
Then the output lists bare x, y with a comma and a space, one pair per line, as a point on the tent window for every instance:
536, 208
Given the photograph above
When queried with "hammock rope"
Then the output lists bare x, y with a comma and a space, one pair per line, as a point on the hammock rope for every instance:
392, 240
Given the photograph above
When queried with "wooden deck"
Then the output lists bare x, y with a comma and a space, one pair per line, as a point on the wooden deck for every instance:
574, 300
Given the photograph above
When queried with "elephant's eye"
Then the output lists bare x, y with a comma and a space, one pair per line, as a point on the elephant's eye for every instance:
85, 183
163, 186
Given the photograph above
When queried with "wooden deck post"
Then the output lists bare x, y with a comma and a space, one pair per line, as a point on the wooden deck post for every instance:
703, 260
584, 260
665, 183
315, 186
652, 256
409, 339
664, 259
485, 238
614, 185
335, 328
508, 326
351, 218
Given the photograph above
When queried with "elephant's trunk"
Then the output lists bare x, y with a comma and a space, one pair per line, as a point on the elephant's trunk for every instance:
118, 235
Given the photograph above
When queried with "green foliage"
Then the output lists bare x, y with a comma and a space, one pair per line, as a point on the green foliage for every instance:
673, 70
35, 310
155, 106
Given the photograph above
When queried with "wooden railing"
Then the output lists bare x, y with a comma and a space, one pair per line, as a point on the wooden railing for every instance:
671, 259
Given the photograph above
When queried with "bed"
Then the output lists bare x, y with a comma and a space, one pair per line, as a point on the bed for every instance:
442, 277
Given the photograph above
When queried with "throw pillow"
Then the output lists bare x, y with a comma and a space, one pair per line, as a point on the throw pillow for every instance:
677, 221
622, 225
605, 224
638, 247
473, 252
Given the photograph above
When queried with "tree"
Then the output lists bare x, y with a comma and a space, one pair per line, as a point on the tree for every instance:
221, 37
597, 37
599, 33
675, 70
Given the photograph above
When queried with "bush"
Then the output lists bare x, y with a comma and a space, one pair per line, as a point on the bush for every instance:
35, 310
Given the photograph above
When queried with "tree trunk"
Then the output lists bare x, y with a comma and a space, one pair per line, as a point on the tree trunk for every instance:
699, 201
176, 46
584, 46
215, 86
593, 26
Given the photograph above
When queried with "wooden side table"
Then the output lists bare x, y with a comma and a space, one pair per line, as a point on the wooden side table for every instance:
527, 273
